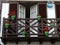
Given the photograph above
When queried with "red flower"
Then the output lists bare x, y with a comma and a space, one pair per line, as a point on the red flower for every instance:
12, 12
46, 28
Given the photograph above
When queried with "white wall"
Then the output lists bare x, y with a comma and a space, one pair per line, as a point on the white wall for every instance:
4, 13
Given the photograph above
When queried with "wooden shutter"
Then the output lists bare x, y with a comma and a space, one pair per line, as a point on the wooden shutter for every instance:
57, 10
13, 7
42, 10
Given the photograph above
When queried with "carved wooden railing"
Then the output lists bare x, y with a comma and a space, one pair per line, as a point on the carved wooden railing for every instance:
11, 31
32, 28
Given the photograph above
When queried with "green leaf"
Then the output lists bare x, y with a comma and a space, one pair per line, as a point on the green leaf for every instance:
46, 33
38, 18
13, 17
52, 25
6, 25
23, 33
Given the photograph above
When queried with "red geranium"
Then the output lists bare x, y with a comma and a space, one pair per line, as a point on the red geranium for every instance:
12, 12
46, 28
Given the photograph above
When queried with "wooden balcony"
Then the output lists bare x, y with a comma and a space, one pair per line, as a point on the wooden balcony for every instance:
27, 25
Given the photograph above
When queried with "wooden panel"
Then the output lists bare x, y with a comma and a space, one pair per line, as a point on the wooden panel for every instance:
58, 10
42, 10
